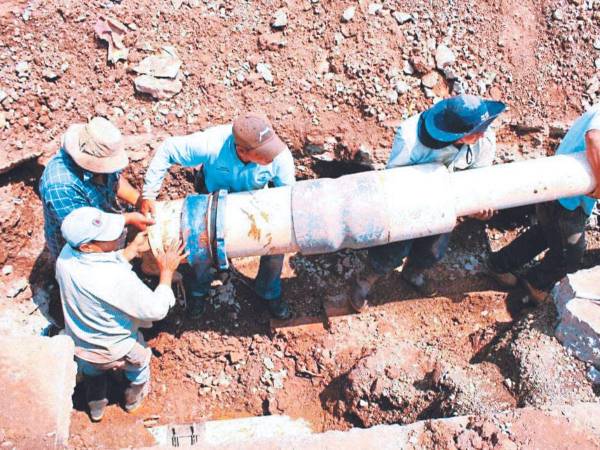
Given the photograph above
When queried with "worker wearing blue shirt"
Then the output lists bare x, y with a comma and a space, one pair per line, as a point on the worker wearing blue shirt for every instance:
238, 157
561, 224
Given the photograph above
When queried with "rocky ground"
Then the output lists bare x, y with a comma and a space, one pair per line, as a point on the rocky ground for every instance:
335, 78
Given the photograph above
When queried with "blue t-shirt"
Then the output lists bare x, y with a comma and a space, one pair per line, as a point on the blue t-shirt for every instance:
573, 142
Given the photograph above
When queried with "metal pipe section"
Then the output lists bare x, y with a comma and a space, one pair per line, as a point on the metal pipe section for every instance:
368, 209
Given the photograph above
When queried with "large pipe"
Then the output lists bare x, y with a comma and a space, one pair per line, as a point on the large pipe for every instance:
365, 209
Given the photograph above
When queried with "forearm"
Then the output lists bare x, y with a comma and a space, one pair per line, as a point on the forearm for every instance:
592, 150
127, 192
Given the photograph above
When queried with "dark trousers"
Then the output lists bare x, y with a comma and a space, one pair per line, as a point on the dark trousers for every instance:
422, 253
561, 232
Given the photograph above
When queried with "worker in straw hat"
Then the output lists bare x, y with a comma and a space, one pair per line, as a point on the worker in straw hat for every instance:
242, 156
86, 171
454, 132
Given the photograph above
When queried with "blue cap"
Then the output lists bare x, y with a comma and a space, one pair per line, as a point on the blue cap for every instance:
453, 118
88, 224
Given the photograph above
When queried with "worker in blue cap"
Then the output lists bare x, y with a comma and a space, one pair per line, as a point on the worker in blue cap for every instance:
454, 132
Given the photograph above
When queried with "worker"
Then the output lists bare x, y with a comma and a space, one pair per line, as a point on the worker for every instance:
454, 132
105, 303
242, 156
560, 227
86, 171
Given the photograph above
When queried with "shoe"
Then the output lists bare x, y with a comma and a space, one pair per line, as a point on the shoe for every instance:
537, 295
95, 394
196, 306
419, 282
279, 308
504, 279
135, 395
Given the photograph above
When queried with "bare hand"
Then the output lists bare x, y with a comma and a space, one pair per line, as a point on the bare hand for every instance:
484, 214
148, 206
138, 220
139, 245
168, 260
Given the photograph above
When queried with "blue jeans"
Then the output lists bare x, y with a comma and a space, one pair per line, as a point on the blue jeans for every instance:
267, 283
135, 365
422, 253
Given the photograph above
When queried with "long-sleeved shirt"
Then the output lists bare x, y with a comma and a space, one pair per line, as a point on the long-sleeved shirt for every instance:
104, 303
408, 150
64, 187
214, 150
574, 141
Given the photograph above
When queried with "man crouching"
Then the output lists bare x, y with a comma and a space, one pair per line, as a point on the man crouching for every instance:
105, 303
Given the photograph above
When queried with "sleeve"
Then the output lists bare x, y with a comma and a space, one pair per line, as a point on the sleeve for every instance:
62, 199
139, 301
401, 151
594, 123
285, 174
187, 151
487, 149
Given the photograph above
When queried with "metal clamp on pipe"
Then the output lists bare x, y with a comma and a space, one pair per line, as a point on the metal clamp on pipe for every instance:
203, 229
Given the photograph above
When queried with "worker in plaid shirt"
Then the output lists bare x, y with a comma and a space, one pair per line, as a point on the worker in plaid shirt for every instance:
86, 171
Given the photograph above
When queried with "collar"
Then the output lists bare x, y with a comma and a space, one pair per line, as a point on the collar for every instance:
110, 257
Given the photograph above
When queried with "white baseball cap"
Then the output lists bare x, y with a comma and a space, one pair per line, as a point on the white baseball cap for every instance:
89, 224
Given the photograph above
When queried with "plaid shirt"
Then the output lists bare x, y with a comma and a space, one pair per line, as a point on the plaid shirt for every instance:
64, 187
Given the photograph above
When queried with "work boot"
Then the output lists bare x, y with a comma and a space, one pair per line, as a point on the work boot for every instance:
279, 308
537, 295
417, 279
505, 279
95, 394
360, 291
135, 395
196, 306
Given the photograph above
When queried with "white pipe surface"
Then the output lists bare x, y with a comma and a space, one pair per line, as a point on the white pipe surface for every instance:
378, 207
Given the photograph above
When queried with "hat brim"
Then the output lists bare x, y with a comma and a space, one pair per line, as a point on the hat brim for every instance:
494, 109
91, 163
270, 149
112, 228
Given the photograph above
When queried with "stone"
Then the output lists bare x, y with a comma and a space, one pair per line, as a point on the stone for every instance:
558, 15
430, 80
348, 14
3, 95
23, 69
112, 32
166, 64
264, 70
7, 270
374, 8
402, 87
279, 19
50, 75
19, 286
298, 326
444, 57
37, 379
3, 121
177, 4
159, 88
402, 17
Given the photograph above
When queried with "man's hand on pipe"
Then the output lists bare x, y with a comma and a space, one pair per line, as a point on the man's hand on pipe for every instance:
592, 151
484, 214
148, 206
138, 220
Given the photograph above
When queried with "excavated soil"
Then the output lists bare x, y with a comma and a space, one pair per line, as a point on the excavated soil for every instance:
338, 91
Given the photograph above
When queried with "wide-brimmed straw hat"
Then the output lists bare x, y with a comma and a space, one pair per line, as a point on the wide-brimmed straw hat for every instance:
96, 146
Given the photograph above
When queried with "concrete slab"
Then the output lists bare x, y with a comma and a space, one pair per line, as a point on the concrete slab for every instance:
37, 379
577, 300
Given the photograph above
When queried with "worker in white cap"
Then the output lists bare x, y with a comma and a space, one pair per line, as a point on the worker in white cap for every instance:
86, 171
242, 156
105, 303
